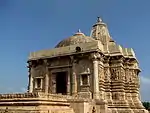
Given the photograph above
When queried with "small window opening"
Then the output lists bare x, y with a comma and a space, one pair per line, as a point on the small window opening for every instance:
84, 79
38, 83
78, 49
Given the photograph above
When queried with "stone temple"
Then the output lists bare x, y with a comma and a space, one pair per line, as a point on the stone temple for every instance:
82, 74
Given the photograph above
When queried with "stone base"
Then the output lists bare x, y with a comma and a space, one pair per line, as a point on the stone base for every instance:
121, 110
96, 95
51, 103
34, 103
87, 95
140, 111
29, 110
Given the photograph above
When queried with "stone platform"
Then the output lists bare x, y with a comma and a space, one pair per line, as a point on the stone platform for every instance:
34, 103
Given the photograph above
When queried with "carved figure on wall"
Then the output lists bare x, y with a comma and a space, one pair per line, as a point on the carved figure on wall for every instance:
6, 110
122, 74
127, 75
94, 110
117, 74
101, 73
116, 96
114, 74
107, 74
130, 76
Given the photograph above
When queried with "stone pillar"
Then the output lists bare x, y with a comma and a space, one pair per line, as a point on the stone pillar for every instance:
74, 77
68, 83
46, 83
42, 84
95, 76
47, 78
95, 79
30, 83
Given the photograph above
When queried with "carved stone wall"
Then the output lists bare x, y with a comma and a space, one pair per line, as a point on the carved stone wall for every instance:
118, 79
84, 66
134, 85
107, 83
117, 84
37, 69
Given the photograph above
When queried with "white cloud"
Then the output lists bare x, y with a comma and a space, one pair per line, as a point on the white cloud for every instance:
145, 80
23, 89
144, 89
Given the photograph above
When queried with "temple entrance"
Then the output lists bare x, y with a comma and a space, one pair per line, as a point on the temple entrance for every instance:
61, 83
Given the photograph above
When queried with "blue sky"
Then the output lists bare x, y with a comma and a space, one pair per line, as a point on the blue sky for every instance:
31, 25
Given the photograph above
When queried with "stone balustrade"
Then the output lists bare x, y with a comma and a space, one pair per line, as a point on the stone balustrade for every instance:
56, 97
33, 95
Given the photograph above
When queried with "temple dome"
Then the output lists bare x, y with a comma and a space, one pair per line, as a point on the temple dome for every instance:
77, 38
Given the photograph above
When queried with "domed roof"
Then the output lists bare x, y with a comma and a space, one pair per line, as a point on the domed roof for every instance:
77, 38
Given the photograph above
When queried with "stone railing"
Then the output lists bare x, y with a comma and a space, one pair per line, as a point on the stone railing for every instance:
19, 95
40, 95
33, 95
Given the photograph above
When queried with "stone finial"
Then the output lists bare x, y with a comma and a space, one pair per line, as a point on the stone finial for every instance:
79, 32
99, 20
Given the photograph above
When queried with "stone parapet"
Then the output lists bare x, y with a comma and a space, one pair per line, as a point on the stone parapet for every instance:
63, 51
32, 95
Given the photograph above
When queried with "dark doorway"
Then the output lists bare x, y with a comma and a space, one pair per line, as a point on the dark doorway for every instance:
61, 83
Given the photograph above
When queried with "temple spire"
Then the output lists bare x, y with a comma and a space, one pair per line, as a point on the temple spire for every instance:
100, 31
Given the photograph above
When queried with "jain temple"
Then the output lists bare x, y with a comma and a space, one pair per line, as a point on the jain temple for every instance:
81, 74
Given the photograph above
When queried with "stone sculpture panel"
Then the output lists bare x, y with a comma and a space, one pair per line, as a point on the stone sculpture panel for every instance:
84, 66
117, 73
38, 71
114, 73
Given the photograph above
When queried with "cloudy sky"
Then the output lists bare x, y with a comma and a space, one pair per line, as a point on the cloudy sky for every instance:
31, 25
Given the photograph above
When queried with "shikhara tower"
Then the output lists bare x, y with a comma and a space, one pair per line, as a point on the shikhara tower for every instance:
82, 74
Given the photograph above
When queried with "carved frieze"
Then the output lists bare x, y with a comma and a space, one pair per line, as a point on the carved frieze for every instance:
59, 62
